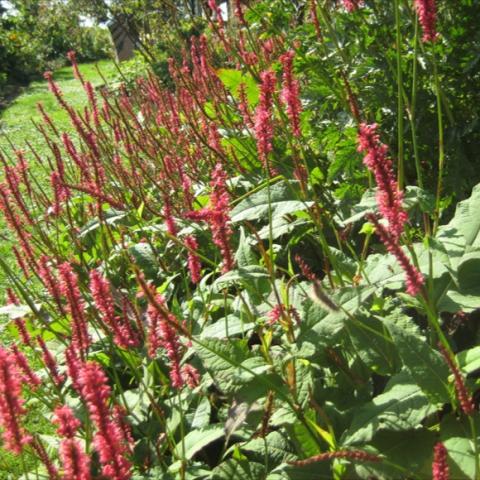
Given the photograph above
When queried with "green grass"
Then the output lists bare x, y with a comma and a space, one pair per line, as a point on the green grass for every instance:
16, 120
16, 127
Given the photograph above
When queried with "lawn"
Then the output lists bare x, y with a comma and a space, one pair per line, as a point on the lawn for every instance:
16, 126
17, 121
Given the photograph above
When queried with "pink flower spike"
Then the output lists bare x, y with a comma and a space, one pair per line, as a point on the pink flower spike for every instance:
440, 470
76, 307
427, 16
352, 5
108, 440
291, 92
29, 376
414, 278
66, 421
263, 115
194, 264
389, 197
102, 296
11, 404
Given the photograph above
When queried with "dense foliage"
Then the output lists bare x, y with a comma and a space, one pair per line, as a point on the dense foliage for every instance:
257, 269
35, 36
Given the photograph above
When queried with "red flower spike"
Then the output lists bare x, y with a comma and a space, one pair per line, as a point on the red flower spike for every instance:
389, 197
161, 334
11, 404
29, 376
290, 94
194, 264
102, 296
76, 307
108, 440
414, 278
263, 115
354, 455
352, 5
440, 470
50, 363
427, 16
76, 463
464, 398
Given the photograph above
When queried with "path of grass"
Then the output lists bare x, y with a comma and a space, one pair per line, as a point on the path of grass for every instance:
16, 122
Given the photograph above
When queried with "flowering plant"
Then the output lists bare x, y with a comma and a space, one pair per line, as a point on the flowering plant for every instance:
194, 298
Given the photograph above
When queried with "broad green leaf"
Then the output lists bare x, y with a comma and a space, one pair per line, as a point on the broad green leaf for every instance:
283, 200
197, 439
221, 358
426, 366
281, 226
233, 78
456, 435
274, 446
110, 217
329, 323
468, 271
234, 469
145, 258
401, 407
202, 414
407, 455
373, 344
368, 203
244, 276
223, 328
467, 219
454, 301
305, 440
469, 360
244, 256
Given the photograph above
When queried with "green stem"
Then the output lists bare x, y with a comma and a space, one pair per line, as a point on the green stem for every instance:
400, 154
413, 107
473, 429
441, 146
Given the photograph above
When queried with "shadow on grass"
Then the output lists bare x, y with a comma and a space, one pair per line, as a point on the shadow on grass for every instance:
8, 95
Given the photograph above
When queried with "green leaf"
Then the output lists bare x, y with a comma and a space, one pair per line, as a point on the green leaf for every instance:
201, 417
17, 311
274, 446
457, 437
281, 226
145, 258
221, 358
427, 366
467, 219
223, 328
197, 439
234, 469
407, 455
373, 344
109, 217
283, 200
368, 203
469, 360
402, 406
244, 255
245, 276
327, 323
233, 78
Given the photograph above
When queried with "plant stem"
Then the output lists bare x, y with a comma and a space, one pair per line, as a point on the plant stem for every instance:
400, 154
441, 147
413, 107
